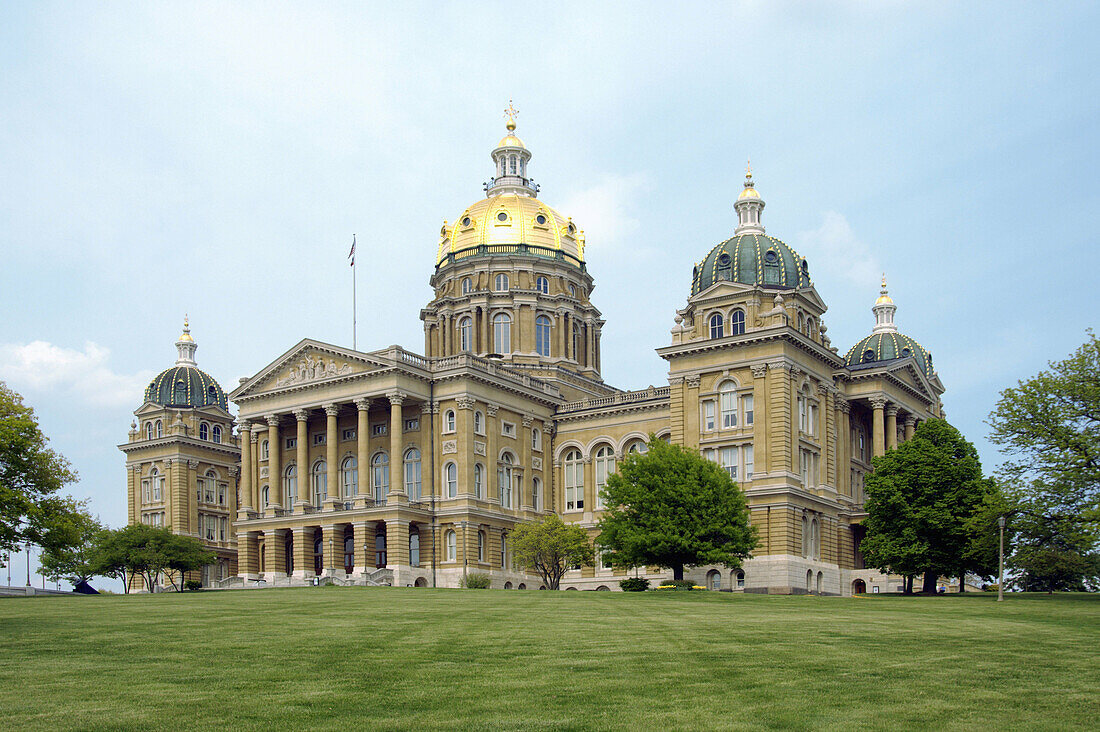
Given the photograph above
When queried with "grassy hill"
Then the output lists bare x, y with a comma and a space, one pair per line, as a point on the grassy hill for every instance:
355, 658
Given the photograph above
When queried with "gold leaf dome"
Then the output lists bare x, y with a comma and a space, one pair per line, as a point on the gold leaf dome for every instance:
510, 140
509, 224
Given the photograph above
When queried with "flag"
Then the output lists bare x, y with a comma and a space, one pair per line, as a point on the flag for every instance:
351, 254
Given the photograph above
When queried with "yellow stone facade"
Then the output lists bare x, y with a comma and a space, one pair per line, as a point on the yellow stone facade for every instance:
391, 467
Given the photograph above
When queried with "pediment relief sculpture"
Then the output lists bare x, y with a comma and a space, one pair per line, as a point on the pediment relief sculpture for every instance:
313, 369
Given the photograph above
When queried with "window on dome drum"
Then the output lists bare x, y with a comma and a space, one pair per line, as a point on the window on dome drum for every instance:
572, 291
500, 283
577, 340
380, 476
605, 466
542, 335
467, 285
348, 435
716, 326
451, 540
412, 425
737, 322
540, 219
868, 356
377, 430
290, 484
536, 484
319, 438
349, 477
204, 431
450, 479
449, 421
512, 164
412, 474
504, 480
771, 268
727, 399
290, 443
216, 434
502, 333
542, 285
573, 468
479, 480
465, 334
319, 482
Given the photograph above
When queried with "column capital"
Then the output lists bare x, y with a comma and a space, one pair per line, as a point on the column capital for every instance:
464, 403
491, 410
234, 471
193, 464
675, 380
878, 402
693, 381
910, 420
429, 408
332, 410
136, 468
363, 404
759, 371
842, 404
779, 366
528, 420
892, 410
243, 425
397, 398
302, 415
272, 420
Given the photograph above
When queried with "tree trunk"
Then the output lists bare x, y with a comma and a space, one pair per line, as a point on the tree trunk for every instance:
929, 583
962, 582
678, 572
907, 585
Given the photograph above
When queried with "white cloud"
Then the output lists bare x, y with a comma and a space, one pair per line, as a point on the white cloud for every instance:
606, 211
833, 248
84, 376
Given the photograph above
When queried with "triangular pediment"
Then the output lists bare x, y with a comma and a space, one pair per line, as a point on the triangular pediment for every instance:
308, 362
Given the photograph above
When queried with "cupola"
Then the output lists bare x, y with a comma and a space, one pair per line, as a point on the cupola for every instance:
749, 206
511, 157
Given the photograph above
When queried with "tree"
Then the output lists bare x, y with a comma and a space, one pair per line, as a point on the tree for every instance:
69, 542
673, 508
30, 472
551, 547
920, 501
1051, 551
148, 552
1050, 426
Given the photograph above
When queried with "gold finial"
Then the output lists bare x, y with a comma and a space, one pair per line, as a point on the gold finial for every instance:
748, 168
884, 283
511, 113
186, 329
883, 296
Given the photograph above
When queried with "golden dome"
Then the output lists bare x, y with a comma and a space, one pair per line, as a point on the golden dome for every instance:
511, 219
883, 297
511, 140
186, 337
748, 193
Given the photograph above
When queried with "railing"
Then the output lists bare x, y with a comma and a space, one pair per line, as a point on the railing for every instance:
484, 250
625, 397
468, 360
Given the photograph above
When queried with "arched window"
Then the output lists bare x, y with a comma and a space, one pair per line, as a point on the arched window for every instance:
714, 580
319, 482
805, 537
727, 404
204, 431
265, 450
157, 481
290, 485
500, 283
536, 486
349, 477
573, 468
412, 474
578, 339
449, 421
265, 494
542, 285
160, 429
809, 580
638, 446
451, 540
771, 268
504, 480
716, 326
216, 434
868, 356
542, 335
479, 423
536, 438
414, 547
450, 480
820, 583
148, 430
572, 291
605, 466
481, 546
467, 286
801, 323
479, 480
737, 322
739, 579
815, 539
502, 333
380, 476
465, 334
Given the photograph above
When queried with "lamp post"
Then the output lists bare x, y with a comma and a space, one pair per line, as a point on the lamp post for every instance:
1001, 568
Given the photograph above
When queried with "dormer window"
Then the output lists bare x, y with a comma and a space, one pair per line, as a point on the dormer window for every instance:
725, 267
502, 216
716, 326
204, 431
737, 322
868, 356
466, 221
180, 393
541, 219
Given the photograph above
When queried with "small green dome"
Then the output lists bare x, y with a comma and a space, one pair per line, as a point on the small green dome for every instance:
888, 346
752, 259
187, 387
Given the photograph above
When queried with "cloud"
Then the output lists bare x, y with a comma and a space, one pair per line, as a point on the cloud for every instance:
834, 249
606, 211
83, 376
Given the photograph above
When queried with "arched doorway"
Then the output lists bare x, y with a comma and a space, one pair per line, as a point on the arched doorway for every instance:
349, 552
288, 546
318, 554
414, 546
859, 587
714, 580
420, 582
809, 580
380, 546
820, 583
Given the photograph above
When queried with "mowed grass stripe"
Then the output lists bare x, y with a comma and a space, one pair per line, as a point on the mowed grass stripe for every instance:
327, 658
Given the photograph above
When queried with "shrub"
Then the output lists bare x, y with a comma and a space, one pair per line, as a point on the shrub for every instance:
678, 584
476, 581
634, 584
193, 585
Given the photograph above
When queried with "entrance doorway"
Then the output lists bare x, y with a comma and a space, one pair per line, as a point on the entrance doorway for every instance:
380, 547
859, 587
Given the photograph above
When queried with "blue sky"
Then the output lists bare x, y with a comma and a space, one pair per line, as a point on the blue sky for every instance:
216, 159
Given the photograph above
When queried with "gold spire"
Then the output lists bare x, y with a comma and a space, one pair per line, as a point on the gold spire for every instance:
750, 191
511, 113
883, 295
186, 330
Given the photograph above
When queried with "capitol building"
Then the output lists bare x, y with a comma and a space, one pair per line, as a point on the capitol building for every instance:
400, 467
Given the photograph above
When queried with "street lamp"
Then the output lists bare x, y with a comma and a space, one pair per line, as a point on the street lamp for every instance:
1001, 569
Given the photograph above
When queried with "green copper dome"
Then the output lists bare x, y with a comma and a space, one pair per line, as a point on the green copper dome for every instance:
752, 259
186, 386
888, 346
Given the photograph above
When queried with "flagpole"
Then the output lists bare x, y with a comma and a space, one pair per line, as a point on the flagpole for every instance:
353, 305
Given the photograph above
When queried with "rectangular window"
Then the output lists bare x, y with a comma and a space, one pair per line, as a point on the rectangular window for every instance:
291, 443
147, 491
377, 430
708, 415
319, 438
208, 492
348, 435
412, 425
158, 489
223, 493
508, 429
746, 407
804, 467
727, 457
749, 465
802, 414
812, 426
729, 409
223, 528
711, 454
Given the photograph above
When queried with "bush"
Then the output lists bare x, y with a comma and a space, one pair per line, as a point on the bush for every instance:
678, 584
634, 584
193, 585
476, 581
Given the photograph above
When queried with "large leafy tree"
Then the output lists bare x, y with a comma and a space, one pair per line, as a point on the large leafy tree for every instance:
30, 474
69, 543
672, 508
922, 503
551, 547
148, 552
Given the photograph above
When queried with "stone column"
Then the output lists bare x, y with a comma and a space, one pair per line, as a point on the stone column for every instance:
596, 347
363, 541
397, 544
492, 453
445, 333
257, 481
305, 500
590, 344
133, 473
523, 502
332, 442
517, 330
427, 452
303, 552
891, 427
560, 321
187, 497
589, 486
796, 457
362, 453
248, 560
464, 455
910, 426
486, 343
397, 449
274, 473
332, 544
759, 419
274, 554
844, 447
246, 489
878, 427
692, 427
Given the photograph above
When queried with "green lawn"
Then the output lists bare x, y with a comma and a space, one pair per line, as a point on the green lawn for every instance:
354, 658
